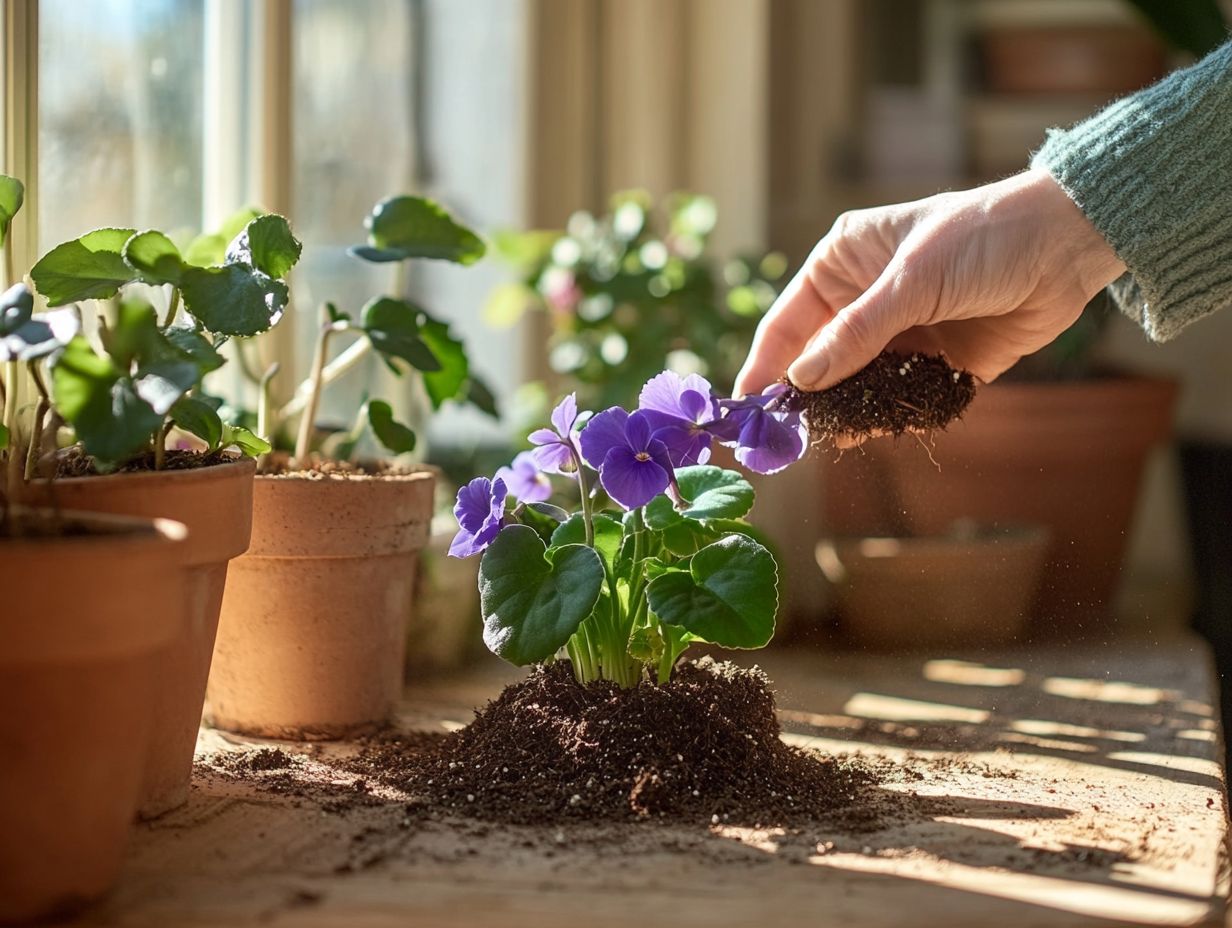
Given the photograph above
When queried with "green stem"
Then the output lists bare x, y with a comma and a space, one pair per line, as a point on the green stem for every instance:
160, 444
315, 385
588, 518
40, 417
350, 356
13, 472
173, 307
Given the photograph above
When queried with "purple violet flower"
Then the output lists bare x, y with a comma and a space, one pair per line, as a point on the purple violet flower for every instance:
767, 440
481, 514
556, 449
680, 411
526, 482
633, 465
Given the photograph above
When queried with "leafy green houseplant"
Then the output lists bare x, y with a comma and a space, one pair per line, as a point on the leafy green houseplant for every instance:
121, 389
633, 292
328, 581
624, 593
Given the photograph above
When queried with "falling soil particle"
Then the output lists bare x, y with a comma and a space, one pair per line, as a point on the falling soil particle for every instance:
75, 462
704, 747
896, 393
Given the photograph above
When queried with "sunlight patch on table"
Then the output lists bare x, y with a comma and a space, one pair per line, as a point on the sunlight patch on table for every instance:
898, 709
968, 673
1130, 694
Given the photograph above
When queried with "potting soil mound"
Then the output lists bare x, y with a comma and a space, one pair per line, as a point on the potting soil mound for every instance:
894, 394
704, 747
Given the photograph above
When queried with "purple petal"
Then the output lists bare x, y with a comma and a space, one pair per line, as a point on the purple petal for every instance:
543, 437
556, 458
637, 431
662, 394
696, 406
481, 514
603, 432
770, 442
525, 482
629, 481
564, 416
686, 443
474, 504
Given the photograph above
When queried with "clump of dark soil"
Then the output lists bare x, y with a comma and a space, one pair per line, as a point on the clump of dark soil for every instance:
75, 462
319, 468
894, 394
704, 747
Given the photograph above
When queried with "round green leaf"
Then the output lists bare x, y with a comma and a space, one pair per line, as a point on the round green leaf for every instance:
415, 227
608, 534
713, 493
154, 257
88, 268
267, 244
211, 247
12, 195
396, 437
248, 443
728, 596
195, 415
233, 299
448, 382
393, 326
192, 343
110, 419
534, 598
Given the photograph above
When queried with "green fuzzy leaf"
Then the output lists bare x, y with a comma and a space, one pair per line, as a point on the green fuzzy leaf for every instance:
396, 437
544, 518
233, 299
335, 314
267, 244
728, 596
162, 383
393, 326
12, 195
154, 257
195, 415
415, 227
88, 268
608, 535
134, 335
101, 404
713, 493
534, 598
211, 248
448, 382
239, 437
480, 395
192, 343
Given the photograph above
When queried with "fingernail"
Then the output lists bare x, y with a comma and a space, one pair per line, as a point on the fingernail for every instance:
807, 373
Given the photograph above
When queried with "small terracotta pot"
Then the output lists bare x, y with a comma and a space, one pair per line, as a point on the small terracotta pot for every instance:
313, 630
216, 505
969, 589
87, 620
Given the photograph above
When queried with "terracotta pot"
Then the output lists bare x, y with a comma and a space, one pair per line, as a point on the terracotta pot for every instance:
968, 589
447, 627
1068, 456
313, 630
1075, 59
216, 505
86, 622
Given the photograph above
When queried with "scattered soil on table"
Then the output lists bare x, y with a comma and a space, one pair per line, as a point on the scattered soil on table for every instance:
320, 468
75, 462
704, 747
894, 394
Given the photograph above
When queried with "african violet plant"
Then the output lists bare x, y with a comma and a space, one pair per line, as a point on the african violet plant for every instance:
621, 591
398, 330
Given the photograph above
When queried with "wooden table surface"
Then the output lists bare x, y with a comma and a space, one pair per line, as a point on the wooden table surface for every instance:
1049, 788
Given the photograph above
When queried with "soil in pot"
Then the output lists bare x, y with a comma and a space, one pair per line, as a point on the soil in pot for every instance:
894, 394
313, 629
212, 495
704, 747
78, 685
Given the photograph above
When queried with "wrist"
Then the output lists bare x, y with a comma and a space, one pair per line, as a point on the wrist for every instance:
1067, 233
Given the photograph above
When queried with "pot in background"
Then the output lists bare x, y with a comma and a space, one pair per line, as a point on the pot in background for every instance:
313, 631
215, 503
87, 622
447, 629
970, 588
1065, 455
1096, 60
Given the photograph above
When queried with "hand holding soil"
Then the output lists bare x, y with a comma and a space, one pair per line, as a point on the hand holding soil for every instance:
983, 277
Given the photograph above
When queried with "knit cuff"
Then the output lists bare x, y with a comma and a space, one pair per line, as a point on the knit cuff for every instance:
1153, 173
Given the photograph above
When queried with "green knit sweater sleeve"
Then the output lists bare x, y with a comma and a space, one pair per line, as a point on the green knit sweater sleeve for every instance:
1153, 173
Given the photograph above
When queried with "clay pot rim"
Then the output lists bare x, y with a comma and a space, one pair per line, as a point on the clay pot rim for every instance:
234, 467
133, 531
300, 478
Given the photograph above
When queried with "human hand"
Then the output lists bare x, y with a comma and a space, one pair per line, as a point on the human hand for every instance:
983, 276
